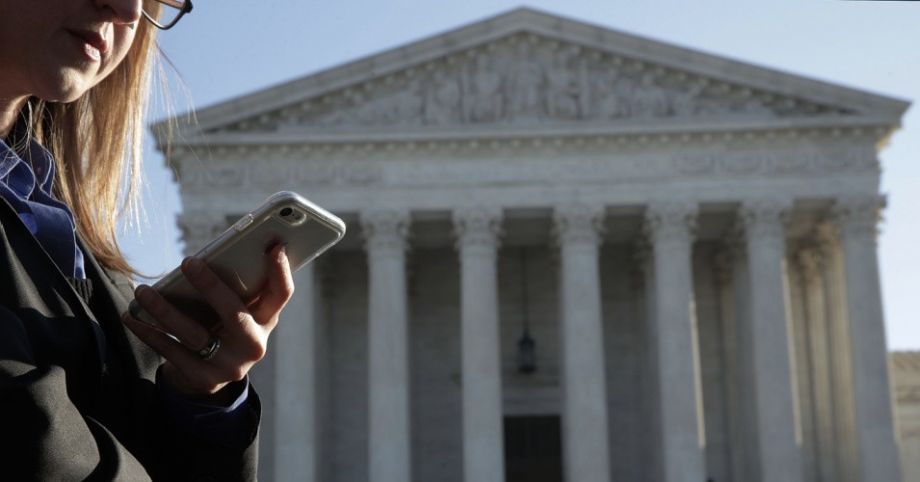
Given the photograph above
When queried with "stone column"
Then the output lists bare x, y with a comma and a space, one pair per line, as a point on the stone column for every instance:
388, 371
483, 448
877, 446
295, 444
584, 408
834, 285
811, 266
673, 330
777, 456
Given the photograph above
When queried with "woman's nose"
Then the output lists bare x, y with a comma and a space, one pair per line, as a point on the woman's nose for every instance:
122, 11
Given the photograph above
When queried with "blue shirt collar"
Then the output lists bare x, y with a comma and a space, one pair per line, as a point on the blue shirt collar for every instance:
24, 175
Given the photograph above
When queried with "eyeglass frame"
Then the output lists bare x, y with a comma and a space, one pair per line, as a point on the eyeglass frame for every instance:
186, 8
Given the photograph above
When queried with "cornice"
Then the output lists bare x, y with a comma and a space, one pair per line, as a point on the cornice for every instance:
631, 131
264, 146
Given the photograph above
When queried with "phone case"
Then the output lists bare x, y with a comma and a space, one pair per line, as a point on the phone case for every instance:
238, 254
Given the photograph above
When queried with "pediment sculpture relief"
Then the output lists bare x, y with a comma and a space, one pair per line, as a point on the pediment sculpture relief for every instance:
526, 79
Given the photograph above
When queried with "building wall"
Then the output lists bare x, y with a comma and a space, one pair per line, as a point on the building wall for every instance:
906, 382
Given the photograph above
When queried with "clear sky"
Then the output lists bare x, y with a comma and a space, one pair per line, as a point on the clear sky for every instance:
227, 48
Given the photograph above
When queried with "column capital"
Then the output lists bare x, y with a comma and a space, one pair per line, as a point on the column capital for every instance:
385, 229
670, 221
810, 260
478, 227
859, 215
765, 218
199, 227
826, 233
578, 223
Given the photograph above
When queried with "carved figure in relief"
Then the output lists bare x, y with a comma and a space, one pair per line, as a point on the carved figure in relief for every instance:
525, 83
563, 88
372, 111
607, 102
648, 100
483, 96
686, 103
442, 104
753, 107
407, 104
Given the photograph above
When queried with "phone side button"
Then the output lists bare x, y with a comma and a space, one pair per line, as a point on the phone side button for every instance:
243, 222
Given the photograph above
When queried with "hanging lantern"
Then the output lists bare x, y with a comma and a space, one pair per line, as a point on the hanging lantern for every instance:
527, 354
527, 347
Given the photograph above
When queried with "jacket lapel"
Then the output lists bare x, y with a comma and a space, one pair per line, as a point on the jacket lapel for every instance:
43, 273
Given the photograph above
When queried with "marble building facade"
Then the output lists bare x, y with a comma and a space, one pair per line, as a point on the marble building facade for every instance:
689, 242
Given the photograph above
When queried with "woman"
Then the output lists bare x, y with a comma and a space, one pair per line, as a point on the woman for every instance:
81, 396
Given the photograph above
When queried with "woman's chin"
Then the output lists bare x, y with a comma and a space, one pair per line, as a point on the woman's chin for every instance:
65, 87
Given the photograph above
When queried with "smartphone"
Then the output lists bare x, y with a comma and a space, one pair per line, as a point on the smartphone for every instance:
238, 254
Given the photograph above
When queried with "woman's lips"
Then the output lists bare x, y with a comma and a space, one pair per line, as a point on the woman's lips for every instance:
93, 43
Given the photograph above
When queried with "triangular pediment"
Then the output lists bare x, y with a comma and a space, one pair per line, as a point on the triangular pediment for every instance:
528, 68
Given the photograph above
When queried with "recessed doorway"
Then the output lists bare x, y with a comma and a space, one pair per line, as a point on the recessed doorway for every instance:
533, 449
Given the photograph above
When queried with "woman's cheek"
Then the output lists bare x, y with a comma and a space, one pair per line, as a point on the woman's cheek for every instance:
124, 37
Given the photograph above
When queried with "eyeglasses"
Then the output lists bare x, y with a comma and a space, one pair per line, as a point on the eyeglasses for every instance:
166, 13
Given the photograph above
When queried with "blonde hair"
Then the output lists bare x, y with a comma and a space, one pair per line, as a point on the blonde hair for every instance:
96, 142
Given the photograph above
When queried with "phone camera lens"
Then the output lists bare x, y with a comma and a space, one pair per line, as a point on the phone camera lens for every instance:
286, 212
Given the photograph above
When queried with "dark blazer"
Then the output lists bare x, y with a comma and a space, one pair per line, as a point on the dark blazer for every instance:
77, 393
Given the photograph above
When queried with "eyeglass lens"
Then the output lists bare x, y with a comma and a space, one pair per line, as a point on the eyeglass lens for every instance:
164, 12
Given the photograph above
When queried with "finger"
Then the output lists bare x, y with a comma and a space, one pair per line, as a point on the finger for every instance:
190, 333
278, 289
198, 376
238, 326
177, 354
221, 297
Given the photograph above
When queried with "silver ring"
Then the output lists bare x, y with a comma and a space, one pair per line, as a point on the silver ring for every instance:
209, 351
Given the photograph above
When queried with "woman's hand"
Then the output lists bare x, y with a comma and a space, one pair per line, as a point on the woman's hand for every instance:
243, 330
